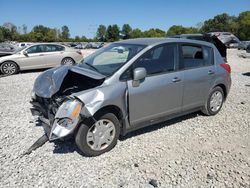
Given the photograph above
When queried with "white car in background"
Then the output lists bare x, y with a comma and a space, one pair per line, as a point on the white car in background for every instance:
39, 56
23, 45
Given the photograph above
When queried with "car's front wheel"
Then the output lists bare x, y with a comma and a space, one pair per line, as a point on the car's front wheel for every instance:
214, 102
9, 68
99, 137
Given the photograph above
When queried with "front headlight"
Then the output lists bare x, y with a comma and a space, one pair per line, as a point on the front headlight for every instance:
66, 119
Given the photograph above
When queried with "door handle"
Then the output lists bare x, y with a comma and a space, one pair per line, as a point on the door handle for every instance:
41, 54
176, 79
210, 72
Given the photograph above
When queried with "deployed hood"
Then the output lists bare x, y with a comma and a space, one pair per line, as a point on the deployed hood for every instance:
64, 78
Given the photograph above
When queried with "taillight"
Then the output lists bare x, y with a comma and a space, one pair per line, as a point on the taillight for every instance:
226, 67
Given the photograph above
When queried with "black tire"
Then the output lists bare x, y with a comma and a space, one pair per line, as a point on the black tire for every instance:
9, 68
68, 61
207, 108
81, 136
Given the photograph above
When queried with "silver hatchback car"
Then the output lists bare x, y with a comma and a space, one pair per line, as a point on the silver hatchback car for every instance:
129, 85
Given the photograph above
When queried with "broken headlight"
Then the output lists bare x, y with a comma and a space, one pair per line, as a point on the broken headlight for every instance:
66, 119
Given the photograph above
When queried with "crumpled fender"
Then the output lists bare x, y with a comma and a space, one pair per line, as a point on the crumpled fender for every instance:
105, 95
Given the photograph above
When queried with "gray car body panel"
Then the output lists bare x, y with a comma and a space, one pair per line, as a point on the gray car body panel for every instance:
168, 98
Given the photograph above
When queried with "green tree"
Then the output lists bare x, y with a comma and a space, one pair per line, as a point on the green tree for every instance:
51, 36
65, 33
179, 29
221, 22
136, 33
244, 22
77, 39
6, 34
24, 29
1, 35
100, 34
10, 31
84, 39
154, 33
126, 31
113, 33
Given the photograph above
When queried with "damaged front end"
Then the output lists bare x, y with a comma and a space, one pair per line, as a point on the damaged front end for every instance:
57, 109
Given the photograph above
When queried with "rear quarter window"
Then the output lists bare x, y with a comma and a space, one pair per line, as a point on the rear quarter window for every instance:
196, 56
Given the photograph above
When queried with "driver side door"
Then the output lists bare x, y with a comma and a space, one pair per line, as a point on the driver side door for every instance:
160, 93
34, 58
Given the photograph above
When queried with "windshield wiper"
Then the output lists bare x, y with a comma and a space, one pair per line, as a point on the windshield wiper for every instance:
91, 66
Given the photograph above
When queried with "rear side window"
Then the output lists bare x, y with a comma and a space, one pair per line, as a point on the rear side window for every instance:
60, 48
53, 48
158, 60
196, 56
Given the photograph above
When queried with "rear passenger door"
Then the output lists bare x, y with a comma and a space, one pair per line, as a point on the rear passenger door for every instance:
53, 55
197, 63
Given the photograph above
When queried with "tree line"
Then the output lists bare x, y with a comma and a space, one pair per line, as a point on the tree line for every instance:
238, 25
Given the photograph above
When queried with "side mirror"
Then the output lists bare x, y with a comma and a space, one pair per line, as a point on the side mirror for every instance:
25, 53
139, 74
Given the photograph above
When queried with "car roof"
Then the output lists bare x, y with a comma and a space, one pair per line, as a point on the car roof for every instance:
156, 41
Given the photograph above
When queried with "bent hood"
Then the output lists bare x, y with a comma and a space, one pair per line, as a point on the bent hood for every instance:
50, 81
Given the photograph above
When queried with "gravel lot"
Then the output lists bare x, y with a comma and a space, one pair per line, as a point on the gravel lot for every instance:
193, 151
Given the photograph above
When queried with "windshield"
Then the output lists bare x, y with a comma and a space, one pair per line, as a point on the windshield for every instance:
109, 59
19, 49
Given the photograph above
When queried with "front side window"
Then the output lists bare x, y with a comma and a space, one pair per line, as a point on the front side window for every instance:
196, 56
109, 59
35, 49
158, 60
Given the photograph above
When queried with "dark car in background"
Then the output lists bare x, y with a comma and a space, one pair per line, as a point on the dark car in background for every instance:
7, 49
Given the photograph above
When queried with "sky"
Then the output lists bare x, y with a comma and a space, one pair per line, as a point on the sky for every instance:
83, 16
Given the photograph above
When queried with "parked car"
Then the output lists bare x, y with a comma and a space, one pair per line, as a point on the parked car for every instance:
248, 48
7, 49
243, 45
225, 37
39, 56
23, 45
113, 92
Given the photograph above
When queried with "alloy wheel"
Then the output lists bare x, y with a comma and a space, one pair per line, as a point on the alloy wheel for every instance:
9, 68
68, 61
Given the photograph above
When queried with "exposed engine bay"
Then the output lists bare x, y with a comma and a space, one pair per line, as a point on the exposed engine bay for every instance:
61, 112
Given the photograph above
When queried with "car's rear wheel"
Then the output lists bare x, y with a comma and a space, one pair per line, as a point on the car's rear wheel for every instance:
214, 102
9, 68
99, 137
68, 61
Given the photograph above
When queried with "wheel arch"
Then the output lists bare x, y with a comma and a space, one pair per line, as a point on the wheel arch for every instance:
18, 67
105, 109
68, 57
110, 109
223, 87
